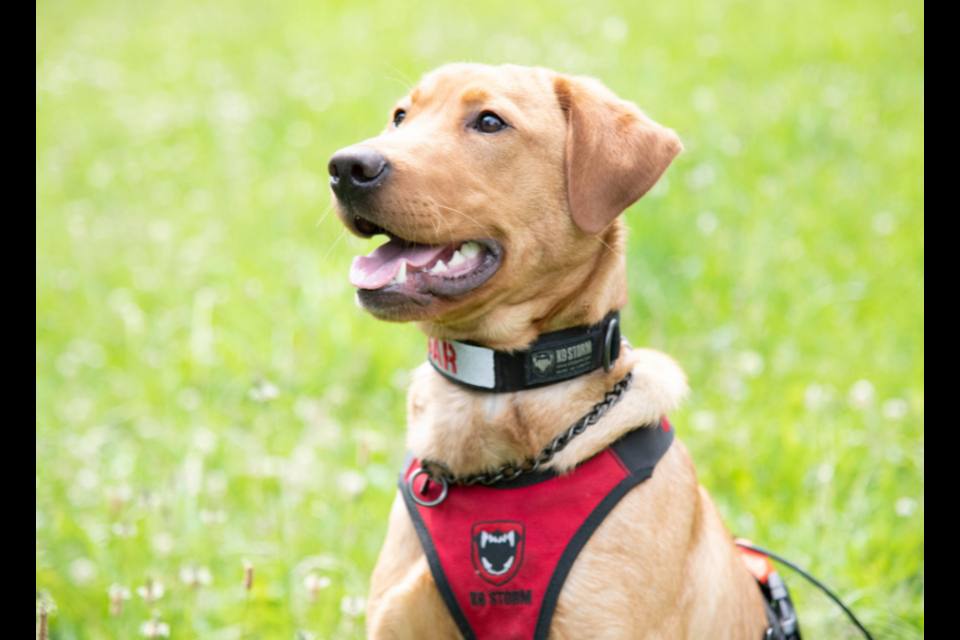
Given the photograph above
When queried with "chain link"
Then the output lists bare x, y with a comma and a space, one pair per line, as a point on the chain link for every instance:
437, 471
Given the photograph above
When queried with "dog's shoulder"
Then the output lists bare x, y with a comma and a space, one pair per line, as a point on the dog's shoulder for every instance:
657, 389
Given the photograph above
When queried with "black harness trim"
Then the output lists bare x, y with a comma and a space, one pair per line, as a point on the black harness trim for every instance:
640, 450
436, 569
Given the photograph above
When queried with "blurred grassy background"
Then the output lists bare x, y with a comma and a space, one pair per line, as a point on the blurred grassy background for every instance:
207, 392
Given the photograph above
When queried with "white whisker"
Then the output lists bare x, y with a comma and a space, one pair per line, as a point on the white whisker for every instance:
333, 246
485, 230
409, 86
440, 219
324, 216
405, 85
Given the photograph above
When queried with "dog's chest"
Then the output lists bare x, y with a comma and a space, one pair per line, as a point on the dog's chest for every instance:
500, 555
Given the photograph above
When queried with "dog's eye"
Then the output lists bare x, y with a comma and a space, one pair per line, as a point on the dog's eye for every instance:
490, 123
398, 117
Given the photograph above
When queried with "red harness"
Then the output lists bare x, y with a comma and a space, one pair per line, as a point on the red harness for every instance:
500, 554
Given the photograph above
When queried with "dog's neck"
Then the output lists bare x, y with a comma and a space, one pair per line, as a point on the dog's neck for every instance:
472, 431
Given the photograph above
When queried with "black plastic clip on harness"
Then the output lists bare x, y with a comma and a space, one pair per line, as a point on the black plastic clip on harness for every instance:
813, 580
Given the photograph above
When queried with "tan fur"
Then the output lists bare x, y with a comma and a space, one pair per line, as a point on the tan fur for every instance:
662, 565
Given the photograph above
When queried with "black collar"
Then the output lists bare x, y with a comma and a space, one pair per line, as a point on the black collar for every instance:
553, 357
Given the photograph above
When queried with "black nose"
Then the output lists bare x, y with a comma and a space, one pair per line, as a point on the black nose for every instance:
354, 170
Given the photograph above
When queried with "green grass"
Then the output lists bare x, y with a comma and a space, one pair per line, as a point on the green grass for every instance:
183, 277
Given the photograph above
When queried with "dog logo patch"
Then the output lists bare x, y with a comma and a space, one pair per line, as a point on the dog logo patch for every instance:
543, 363
497, 550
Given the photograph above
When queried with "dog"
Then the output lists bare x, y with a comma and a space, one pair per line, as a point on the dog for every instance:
500, 190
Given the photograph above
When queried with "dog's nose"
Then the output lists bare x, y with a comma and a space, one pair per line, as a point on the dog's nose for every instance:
355, 169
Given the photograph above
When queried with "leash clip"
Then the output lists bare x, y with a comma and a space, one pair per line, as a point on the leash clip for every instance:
425, 503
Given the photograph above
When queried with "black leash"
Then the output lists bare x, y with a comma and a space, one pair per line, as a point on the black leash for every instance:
813, 580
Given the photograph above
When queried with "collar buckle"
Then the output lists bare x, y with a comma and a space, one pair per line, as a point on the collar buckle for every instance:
608, 359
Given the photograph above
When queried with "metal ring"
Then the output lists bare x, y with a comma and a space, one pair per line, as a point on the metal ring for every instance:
418, 500
608, 346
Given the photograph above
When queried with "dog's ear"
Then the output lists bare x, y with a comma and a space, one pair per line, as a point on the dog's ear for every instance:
615, 153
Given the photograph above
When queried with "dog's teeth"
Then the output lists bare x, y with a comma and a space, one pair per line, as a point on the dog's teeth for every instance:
439, 267
401, 276
511, 538
484, 537
456, 259
470, 250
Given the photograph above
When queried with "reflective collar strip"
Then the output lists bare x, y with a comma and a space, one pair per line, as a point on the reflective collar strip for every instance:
553, 357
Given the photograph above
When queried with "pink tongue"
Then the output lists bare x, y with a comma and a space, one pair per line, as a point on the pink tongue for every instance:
379, 268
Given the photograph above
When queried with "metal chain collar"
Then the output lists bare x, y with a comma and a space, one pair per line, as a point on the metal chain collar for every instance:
437, 471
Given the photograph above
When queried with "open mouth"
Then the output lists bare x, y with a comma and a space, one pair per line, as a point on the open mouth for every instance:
423, 270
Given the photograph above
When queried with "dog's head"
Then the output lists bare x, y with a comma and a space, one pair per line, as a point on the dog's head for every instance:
499, 190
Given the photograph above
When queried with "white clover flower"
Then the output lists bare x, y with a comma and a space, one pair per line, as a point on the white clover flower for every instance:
315, 584
707, 221
163, 543
313, 581
83, 571
750, 363
217, 482
825, 472
151, 591
895, 409
154, 628
205, 440
352, 483
45, 604
905, 507
815, 396
884, 223
124, 530
118, 496
861, 394
209, 517
195, 576
352, 606
118, 593
188, 575
703, 420
264, 391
